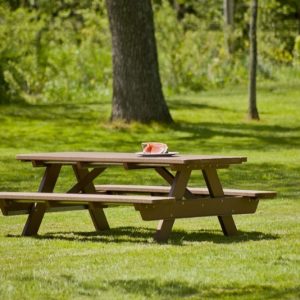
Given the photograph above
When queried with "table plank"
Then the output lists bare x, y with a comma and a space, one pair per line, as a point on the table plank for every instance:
121, 158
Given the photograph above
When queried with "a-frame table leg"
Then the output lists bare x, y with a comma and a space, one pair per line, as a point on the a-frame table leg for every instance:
37, 212
228, 225
178, 189
97, 213
215, 189
163, 230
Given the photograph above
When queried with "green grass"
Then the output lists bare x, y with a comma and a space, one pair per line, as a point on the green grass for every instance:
68, 260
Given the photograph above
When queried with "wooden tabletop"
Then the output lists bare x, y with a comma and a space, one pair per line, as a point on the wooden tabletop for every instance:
119, 157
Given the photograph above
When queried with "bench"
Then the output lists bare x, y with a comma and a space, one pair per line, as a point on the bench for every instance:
150, 207
157, 190
15, 203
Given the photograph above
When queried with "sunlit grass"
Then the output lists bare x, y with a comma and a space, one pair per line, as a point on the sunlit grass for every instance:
68, 260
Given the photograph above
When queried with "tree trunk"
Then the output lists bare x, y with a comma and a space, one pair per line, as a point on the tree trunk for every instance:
252, 111
137, 91
299, 20
228, 6
4, 95
179, 8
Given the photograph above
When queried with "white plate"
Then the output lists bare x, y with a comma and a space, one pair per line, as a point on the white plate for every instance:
156, 155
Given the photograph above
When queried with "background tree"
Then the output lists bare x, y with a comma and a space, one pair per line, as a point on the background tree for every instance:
228, 6
183, 7
4, 98
137, 91
252, 111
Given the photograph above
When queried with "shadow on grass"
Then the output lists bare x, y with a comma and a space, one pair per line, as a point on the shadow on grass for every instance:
185, 135
241, 135
186, 104
152, 287
145, 235
175, 288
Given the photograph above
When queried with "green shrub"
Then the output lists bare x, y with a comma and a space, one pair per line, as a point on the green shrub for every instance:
297, 51
192, 56
52, 58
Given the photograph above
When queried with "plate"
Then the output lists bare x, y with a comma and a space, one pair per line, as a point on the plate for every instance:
156, 155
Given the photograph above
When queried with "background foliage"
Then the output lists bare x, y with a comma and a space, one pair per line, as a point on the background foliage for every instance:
54, 51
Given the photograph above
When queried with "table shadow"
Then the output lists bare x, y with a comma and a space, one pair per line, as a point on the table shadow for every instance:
145, 235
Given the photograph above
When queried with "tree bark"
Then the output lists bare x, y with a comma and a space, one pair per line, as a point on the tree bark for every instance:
137, 91
252, 110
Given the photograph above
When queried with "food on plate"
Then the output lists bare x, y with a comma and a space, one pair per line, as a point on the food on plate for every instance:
154, 148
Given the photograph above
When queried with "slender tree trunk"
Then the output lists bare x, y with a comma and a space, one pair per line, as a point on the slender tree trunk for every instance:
252, 111
179, 8
4, 94
228, 6
299, 21
137, 91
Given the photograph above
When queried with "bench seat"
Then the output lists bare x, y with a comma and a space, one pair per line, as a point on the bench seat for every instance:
83, 198
123, 189
16, 203
150, 207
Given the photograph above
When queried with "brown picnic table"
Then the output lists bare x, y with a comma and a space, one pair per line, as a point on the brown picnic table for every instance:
165, 203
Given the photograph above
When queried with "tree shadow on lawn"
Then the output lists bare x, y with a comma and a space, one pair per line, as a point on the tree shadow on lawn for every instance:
241, 135
189, 105
175, 288
145, 235
53, 111
238, 135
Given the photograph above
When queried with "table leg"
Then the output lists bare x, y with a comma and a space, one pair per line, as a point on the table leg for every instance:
169, 177
163, 230
228, 225
37, 212
86, 180
178, 190
97, 213
215, 190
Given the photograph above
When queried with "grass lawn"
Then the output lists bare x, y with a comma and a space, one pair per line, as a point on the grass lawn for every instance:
68, 260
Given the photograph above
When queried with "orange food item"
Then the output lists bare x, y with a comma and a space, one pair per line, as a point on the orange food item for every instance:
154, 148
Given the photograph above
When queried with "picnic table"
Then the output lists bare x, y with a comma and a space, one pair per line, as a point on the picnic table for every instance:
165, 203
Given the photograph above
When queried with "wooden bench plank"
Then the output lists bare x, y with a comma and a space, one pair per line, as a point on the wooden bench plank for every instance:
9, 209
13, 208
201, 207
165, 189
83, 198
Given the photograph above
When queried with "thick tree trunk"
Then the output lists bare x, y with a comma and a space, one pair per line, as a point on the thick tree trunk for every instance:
252, 111
137, 92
